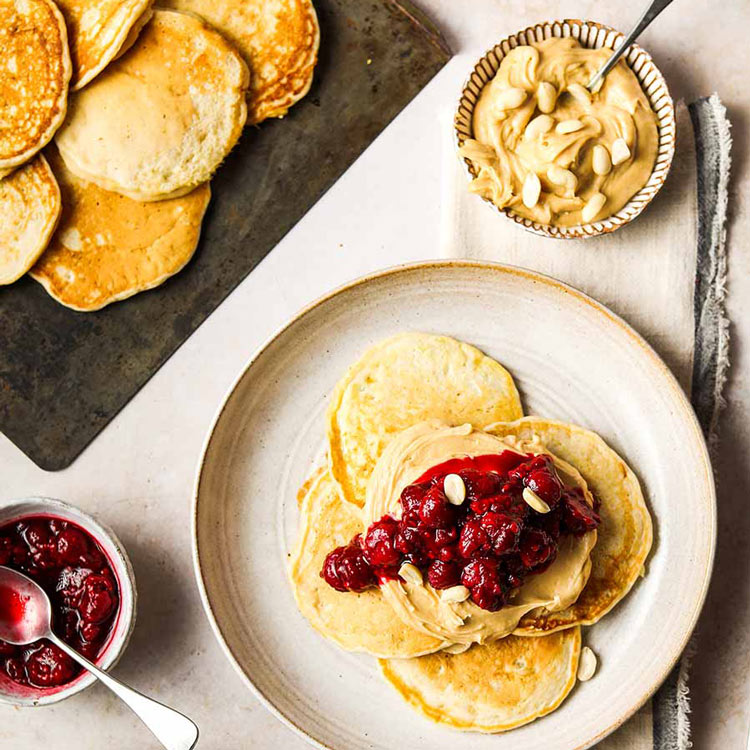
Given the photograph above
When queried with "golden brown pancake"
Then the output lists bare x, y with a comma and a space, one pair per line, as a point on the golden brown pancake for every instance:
161, 118
279, 40
29, 212
356, 622
625, 533
109, 247
99, 30
34, 74
490, 688
404, 380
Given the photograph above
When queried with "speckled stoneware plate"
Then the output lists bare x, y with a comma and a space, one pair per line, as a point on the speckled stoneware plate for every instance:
593, 35
573, 360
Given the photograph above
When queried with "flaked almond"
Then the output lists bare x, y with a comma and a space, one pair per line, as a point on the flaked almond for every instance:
593, 206
510, 98
562, 177
539, 126
532, 189
586, 664
456, 648
410, 573
568, 126
455, 594
534, 501
580, 93
546, 97
601, 162
620, 151
455, 489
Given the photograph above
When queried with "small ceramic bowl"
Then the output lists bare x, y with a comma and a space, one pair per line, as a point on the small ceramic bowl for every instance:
592, 35
21, 695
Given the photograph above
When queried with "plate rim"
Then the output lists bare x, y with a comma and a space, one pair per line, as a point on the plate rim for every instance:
494, 267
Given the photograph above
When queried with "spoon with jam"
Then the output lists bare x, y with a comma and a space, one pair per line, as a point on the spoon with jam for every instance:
26, 617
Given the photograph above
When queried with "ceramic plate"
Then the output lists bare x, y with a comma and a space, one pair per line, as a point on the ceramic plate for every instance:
572, 360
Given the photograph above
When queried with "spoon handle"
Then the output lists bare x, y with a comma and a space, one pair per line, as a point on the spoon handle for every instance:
653, 10
174, 730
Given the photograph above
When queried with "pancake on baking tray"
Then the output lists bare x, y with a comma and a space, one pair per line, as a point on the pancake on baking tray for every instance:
34, 73
109, 247
29, 212
160, 119
99, 31
279, 40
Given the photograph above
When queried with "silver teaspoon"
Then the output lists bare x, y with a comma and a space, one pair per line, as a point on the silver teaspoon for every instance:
30, 618
653, 10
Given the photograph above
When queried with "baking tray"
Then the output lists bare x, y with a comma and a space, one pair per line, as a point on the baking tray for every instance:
65, 375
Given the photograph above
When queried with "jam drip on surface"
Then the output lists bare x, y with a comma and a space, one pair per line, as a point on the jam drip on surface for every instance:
490, 543
71, 567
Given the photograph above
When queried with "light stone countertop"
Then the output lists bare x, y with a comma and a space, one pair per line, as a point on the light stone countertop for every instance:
138, 474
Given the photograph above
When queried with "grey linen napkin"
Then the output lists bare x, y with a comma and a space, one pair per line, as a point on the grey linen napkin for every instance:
713, 142
665, 274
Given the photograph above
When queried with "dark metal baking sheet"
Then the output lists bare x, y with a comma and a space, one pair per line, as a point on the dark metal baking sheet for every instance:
65, 375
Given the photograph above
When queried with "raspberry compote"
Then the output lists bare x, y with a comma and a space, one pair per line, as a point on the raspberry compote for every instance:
76, 574
490, 542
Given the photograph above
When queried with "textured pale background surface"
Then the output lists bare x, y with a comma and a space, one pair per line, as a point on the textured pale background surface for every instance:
138, 474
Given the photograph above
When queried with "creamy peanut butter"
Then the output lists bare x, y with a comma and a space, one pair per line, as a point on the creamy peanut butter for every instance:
407, 457
551, 151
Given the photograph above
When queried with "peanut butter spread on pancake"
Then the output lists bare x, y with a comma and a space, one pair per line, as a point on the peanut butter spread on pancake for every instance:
407, 457
34, 73
549, 150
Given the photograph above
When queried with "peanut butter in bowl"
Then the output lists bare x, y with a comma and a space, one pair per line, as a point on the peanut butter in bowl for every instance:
547, 149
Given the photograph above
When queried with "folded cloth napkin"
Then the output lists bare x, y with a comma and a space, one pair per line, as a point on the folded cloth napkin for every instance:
664, 273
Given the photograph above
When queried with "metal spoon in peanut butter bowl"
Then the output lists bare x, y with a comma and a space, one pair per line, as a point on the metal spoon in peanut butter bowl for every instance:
26, 617
653, 10
543, 150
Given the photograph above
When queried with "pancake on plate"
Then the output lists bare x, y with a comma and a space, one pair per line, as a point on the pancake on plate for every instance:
404, 380
34, 73
279, 40
29, 212
99, 31
625, 533
161, 118
356, 622
490, 688
109, 247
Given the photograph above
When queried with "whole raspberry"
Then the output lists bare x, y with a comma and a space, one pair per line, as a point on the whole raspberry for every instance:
379, 541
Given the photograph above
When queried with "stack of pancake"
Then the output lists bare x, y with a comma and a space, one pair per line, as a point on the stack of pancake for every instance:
488, 682
114, 116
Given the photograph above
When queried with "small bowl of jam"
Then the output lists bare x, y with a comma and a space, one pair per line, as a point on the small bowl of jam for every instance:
84, 569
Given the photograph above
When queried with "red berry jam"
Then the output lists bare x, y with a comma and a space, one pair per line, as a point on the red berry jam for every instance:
490, 543
73, 569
